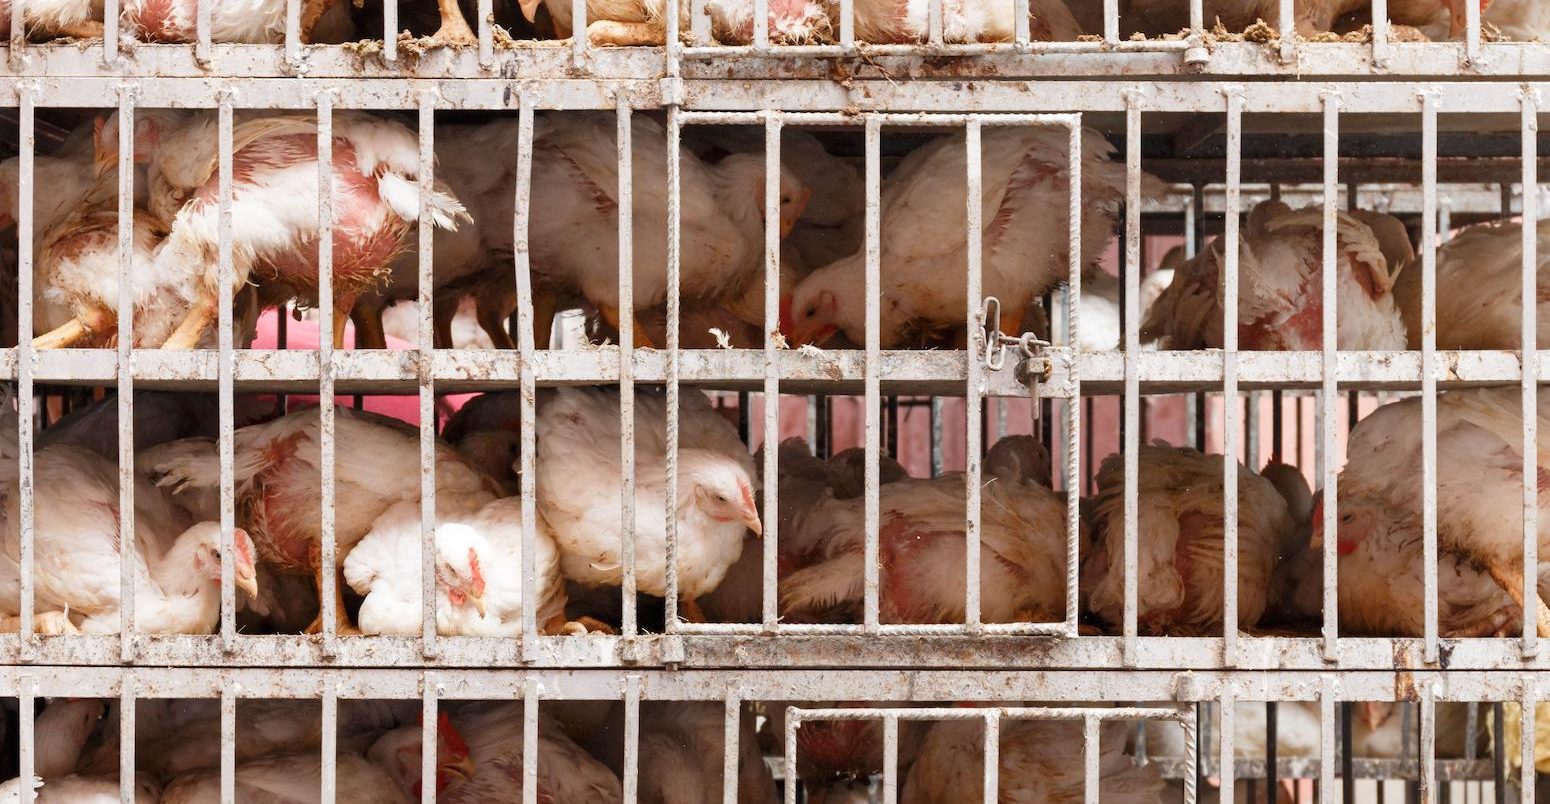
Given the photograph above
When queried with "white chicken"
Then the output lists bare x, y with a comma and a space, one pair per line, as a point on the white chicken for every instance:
567, 774
278, 476
574, 244
643, 22
1039, 762
80, 19
963, 21
1519, 20
922, 552
578, 490
293, 779
838, 759
1025, 199
1312, 17
399, 753
1179, 585
478, 573
274, 162
1280, 285
680, 754
1479, 290
1479, 483
76, 789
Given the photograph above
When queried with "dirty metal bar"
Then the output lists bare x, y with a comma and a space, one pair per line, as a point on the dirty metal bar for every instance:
872, 479
1190, 723
485, 8
429, 739
1327, 755
1232, 432
1225, 734
1073, 408
202, 31
1197, 17
27, 141
992, 755
1429, 363
699, 25
1132, 417
973, 454
127, 711
730, 732
1288, 25
1020, 23
329, 550
761, 25
229, 742
26, 735
1530, 384
1092, 752
530, 712
110, 30
390, 33
891, 760
623, 142
1329, 398
18, 40
329, 742
1472, 33
527, 394
934, 22
1380, 30
292, 39
227, 369
1527, 706
793, 722
125, 385
578, 39
674, 318
631, 738
772, 293
1111, 21
427, 382
1428, 753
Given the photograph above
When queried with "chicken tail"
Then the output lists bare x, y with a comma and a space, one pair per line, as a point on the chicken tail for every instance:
403, 196
813, 589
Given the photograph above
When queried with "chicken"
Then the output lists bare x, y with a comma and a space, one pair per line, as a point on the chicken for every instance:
643, 22
1479, 290
680, 754
837, 759
60, 732
1280, 285
906, 21
60, 185
177, 564
159, 417
478, 573
578, 490
1519, 20
292, 779
921, 548
261, 22
1479, 487
1179, 585
278, 476
1312, 17
1040, 761
567, 774
1025, 198
80, 19
376, 169
574, 244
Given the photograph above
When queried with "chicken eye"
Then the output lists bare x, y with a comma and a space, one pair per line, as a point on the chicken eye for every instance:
721, 497
811, 311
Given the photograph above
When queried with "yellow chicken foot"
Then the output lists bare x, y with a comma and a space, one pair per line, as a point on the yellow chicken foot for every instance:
1510, 579
97, 322
188, 333
454, 30
624, 34
611, 315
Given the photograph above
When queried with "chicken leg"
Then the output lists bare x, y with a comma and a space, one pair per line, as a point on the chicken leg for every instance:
493, 322
341, 617
611, 315
1510, 579
188, 333
96, 322
368, 326
311, 12
454, 30
545, 306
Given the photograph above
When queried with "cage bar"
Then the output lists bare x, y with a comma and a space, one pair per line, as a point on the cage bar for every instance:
427, 380
26, 515
125, 378
226, 272
1429, 363
626, 193
1132, 414
873, 246
1231, 413
328, 613
1329, 399
1529, 387
973, 232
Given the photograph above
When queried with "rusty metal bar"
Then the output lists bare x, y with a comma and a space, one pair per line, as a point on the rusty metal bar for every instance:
430, 691
973, 234
229, 742
127, 711
730, 733
1073, 428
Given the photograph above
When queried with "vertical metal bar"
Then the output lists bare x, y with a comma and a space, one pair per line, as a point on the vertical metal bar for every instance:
936, 436
1227, 769
631, 738
528, 395
578, 38
1191, 726
126, 436
848, 24
1347, 757
873, 359
934, 21
1111, 21
623, 142
226, 389
27, 141
730, 732
1197, 17
530, 711
292, 36
1329, 399
110, 31
1272, 713
772, 164
1429, 363
390, 31
674, 316
202, 31
1499, 752
1472, 34
1526, 736
229, 743
973, 402
485, 8
329, 741
329, 549
1529, 314
992, 754
1428, 743
1073, 456
1091, 753
1021, 33
425, 362
127, 711
1232, 430
890, 759
429, 692
761, 24
26, 735
790, 784
1327, 755
1132, 444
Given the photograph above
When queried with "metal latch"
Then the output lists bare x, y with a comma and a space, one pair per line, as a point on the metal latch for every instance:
1033, 368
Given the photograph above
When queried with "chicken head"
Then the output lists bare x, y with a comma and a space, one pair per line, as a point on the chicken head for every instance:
1358, 520
458, 572
150, 125
749, 170
398, 752
725, 494
812, 314
207, 557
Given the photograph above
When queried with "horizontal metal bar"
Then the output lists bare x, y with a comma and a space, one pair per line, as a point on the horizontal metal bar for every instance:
1309, 768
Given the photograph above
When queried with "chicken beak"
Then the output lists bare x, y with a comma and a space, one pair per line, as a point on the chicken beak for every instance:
751, 519
815, 334
477, 601
460, 769
248, 583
